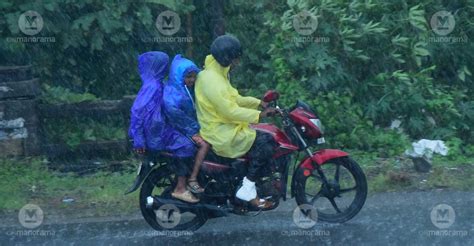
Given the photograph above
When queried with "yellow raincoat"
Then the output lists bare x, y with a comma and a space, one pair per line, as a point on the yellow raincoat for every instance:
223, 114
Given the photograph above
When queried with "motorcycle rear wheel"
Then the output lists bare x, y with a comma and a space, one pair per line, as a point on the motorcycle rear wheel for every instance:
160, 183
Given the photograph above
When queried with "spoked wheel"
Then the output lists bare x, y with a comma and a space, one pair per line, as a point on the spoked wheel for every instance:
160, 183
341, 198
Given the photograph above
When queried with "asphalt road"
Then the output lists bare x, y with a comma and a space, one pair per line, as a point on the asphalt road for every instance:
386, 219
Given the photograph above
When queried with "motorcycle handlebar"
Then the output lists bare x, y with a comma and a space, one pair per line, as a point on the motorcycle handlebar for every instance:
277, 111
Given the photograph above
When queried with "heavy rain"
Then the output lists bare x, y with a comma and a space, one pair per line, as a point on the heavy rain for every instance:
212, 122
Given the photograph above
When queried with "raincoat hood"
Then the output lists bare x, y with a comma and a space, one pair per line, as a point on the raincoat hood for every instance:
180, 67
152, 66
212, 64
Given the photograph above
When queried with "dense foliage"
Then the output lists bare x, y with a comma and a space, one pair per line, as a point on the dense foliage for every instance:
368, 62
96, 42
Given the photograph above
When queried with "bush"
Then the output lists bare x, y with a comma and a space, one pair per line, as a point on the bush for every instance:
379, 64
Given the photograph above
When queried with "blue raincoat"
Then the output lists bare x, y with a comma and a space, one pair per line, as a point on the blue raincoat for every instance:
179, 101
148, 126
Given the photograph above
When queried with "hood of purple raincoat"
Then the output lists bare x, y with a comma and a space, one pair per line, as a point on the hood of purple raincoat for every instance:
153, 66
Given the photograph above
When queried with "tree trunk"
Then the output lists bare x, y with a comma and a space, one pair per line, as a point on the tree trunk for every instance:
217, 19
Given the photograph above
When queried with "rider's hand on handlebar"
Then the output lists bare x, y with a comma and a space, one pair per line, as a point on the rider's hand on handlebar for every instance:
268, 112
264, 104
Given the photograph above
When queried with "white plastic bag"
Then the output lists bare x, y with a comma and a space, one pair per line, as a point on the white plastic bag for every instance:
426, 148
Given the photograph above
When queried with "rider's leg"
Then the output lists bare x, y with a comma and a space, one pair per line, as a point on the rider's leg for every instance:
181, 185
181, 168
262, 149
201, 154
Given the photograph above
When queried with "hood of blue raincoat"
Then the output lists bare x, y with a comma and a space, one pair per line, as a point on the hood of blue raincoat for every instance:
180, 67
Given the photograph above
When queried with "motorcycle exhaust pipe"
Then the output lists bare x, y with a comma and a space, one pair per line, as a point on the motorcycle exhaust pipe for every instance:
153, 202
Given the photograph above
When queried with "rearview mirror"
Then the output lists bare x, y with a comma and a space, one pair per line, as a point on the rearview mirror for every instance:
270, 96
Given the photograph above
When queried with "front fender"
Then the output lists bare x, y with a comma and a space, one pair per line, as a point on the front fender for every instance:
320, 157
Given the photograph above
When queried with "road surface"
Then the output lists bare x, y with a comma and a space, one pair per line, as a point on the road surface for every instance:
386, 219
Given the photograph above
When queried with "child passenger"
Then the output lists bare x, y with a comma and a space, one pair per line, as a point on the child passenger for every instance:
180, 111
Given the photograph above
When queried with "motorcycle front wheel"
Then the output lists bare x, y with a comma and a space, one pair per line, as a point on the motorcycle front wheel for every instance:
341, 198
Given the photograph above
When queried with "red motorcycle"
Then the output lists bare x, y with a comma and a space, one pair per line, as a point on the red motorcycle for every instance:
328, 179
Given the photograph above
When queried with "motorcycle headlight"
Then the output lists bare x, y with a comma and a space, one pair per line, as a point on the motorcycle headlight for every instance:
318, 123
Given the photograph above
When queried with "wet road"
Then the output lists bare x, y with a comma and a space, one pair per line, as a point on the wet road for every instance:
386, 219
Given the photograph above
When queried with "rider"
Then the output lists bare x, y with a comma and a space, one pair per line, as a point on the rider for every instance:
180, 111
149, 130
147, 121
224, 116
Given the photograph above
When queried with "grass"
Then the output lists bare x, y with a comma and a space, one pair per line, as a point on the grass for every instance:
29, 181
398, 173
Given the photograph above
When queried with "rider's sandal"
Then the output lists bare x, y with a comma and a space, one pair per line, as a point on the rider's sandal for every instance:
186, 196
261, 204
194, 187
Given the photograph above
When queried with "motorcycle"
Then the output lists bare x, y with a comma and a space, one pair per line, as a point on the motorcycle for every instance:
327, 179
